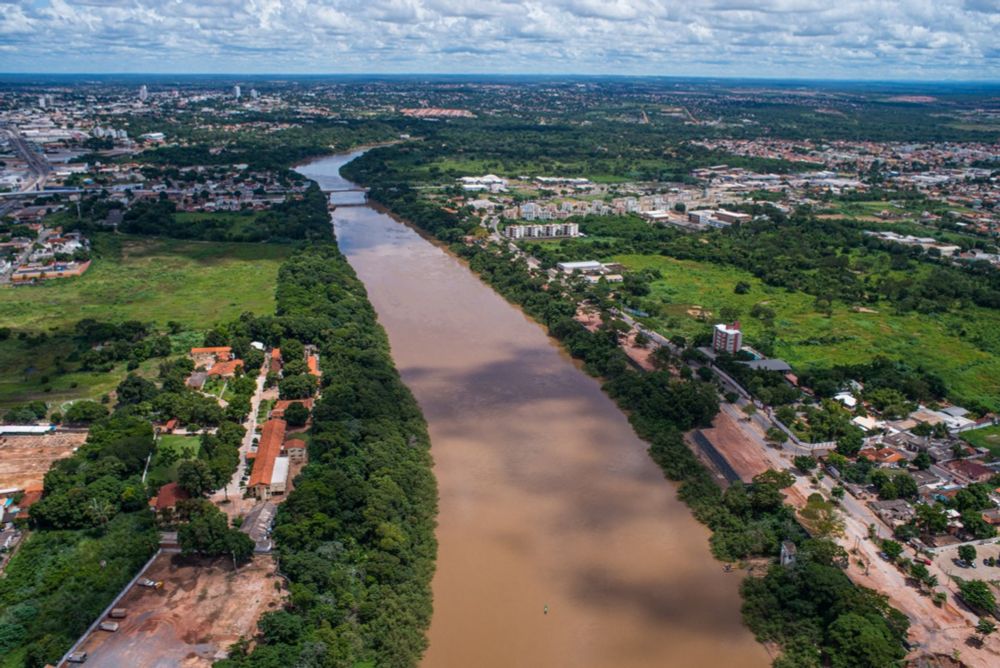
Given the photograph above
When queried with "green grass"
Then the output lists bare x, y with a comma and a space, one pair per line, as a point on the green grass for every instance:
986, 437
30, 373
185, 447
964, 349
196, 283
265, 407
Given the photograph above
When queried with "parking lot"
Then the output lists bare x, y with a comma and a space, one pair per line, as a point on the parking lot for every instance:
947, 557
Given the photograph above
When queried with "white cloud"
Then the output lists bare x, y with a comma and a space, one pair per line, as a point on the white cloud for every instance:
849, 38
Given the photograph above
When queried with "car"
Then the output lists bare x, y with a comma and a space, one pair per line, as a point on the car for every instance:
77, 657
925, 561
884, 556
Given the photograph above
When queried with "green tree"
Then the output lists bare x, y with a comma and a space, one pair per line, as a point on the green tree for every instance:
892, 549
967, 553
207, 533
84, 412
985, 628
805, 463
134, 390
923, 461
195, 477
296, 414
978, 595
931, 518
856, 641
849, 444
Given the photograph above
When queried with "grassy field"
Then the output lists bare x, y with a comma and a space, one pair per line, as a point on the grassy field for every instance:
964, 351
987, 437
196, 283
183, 447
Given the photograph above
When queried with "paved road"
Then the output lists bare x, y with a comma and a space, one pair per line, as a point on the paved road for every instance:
234, 491
36, 162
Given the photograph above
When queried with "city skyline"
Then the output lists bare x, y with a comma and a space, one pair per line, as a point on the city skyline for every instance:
909, 40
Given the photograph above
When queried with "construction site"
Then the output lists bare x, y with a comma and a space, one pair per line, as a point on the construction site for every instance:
25, 458
185, 612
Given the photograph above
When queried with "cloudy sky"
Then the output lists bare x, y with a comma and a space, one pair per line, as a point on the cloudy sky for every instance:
866, 39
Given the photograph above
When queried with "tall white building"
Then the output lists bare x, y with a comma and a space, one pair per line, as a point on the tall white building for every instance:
254, 94
143, 93
237, 92
41, 101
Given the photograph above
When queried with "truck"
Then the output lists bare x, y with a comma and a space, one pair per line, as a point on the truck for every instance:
77, 657
108, 626
118, 613
151, 584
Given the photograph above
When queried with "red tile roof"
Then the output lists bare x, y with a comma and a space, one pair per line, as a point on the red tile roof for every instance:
281, 406
294, 443
212, 350
225, 368
313, 363
168, 496
271, 438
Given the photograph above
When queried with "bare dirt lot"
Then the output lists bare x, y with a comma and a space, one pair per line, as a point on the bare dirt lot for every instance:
201, 610
740, 451
24, 460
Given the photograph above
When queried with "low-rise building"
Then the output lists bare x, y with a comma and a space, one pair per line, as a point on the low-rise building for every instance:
270, 470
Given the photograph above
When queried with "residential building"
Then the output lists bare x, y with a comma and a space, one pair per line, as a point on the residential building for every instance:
727, 338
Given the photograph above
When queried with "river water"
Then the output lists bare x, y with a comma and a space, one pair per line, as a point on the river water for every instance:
547, 497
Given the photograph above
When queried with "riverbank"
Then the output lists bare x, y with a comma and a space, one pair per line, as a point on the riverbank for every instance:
659, 410
547, 497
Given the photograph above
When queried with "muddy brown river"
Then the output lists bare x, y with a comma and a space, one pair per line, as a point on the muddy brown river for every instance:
547, 497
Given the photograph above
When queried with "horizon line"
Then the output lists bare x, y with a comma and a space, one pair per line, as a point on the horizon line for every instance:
802, 78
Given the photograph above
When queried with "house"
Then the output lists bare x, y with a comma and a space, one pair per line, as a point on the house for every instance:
992, 516
167, 497
274, 365
972, 471
296, 449
197, 380
883, 456
313, 362
270, 470
894, 513
226, 369
788, 552
209, 355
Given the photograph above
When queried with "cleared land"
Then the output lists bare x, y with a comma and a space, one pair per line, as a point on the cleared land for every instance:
197, 284
24, 460
987, 437
202, 609
958, 347
732, 442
